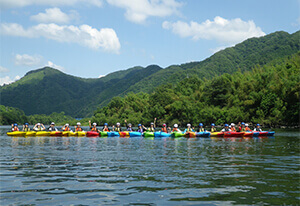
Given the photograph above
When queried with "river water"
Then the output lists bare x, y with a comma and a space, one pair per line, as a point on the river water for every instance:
137, 171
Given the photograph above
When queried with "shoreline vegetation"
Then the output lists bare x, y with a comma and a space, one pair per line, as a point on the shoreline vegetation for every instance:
268, 95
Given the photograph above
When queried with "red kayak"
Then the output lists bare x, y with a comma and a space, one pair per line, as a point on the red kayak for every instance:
92, 134
262, 134
190, 134
124, 134
248, 134
55, 133
234, 134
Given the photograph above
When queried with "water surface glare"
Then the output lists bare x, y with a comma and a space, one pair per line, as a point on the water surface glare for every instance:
137, 171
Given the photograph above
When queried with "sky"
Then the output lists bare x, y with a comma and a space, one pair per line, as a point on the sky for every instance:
92, 38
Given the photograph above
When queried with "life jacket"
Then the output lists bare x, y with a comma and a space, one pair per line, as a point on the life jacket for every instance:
213, 129
94, 129
78, 129
66, 129
189, 129
105, 130
129, 129
247, 129
140, 130
118, 129
243, 129
201, 129
226, 130
175, 130
164, 129
39, 128
26, 129
233, 129
151, 129
15, 129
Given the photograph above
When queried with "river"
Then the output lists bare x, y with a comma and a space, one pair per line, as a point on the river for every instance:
137, 171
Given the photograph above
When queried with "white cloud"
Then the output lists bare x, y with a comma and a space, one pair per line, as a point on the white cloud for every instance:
8, 80
4, 4
52, 65
54, 15
225, 31
85, 35
138, 11
27, 60
3, 69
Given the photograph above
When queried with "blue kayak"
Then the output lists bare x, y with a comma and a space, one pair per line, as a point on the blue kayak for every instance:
202, 134
271, 133
135, 134
161, 134
113, 134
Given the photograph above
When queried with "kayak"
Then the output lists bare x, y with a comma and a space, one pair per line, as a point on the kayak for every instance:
124, 134
190, 134
135, 134
65, 133
80, 133
202, 134
56, 133
177, 134
113, 134
148, 134
72, 133
16, 133
42, 133
30, 133
260, 134
161, 134
217, 134
248, 134
92, 134
271, 133
234, 134
103, 134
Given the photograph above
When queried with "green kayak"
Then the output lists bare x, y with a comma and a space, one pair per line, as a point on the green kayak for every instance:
177, 134
103, 134
148, 134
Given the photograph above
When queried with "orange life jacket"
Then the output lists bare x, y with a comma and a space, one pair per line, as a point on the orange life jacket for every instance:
164, 129
233, 129
78, 129
247, 129
175, 130
106, 130
15, 129
67, 129
94, 129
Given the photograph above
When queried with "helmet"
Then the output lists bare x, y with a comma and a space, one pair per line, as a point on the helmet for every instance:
94, 123
67, 124
257, 124
243, 123
164, 125
130, 124
188, 125
246, 125
38, 124
15, 124
232, 124
201, 124
54, 123
226, 125
152, 123
78, 123
118, 123
176, 125
213, 124
26, 123
105, 124
139, 125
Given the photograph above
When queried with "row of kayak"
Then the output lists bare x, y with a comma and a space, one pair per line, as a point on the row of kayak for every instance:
138, 134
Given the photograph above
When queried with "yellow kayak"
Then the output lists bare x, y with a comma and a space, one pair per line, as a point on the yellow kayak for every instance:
16, 134
80, 133
65, 133
42, 133
30, 133
72, 134
55, 133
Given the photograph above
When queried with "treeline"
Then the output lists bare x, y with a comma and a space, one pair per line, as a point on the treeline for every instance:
10, 115
268, 95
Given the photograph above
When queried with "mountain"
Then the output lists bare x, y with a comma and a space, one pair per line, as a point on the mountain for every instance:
48, 90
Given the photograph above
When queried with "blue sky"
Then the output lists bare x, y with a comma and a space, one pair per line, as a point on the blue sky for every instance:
91, 38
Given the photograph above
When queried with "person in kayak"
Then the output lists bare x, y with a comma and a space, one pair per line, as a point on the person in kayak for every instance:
189, 128
233, 129
117, 128
94, 127
129, 126
66, 127
226, 129
39, 127
52, 127
140, 128
247, 128
78, 127
105, 128
14, 127
175, 128
165, 129
200, 128
151, 128
257, 128
213, 128
242, 129
26, 127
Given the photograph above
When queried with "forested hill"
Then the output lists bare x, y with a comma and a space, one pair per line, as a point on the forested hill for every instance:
47, 90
